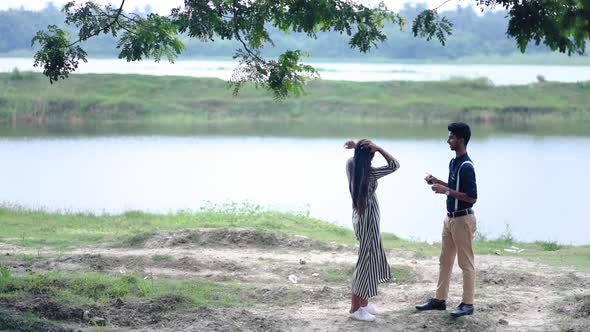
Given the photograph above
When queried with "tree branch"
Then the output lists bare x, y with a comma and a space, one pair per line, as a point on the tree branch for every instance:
239, 38
125, 28
442, 4
96, 33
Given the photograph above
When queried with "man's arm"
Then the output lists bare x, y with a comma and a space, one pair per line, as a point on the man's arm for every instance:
441, 189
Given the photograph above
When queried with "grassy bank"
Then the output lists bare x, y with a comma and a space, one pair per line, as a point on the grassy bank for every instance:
29, 98
55, 230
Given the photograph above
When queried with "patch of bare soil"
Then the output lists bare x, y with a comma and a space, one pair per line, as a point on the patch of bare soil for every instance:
297, 284
574, 312
223, 319
223, 237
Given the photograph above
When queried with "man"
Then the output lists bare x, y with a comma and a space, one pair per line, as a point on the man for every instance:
459, 224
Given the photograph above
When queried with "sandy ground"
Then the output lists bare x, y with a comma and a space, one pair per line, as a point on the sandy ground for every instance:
513, 294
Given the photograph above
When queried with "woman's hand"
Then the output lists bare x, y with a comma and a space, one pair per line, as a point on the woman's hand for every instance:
350, 145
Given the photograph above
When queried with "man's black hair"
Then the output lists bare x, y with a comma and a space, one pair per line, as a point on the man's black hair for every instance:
460, 130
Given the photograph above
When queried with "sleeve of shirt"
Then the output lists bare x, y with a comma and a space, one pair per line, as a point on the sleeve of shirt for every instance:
379, 172
468, 181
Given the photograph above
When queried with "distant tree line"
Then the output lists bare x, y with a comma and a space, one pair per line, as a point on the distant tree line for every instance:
473, 34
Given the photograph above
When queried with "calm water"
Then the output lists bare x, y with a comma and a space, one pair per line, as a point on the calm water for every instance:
533, 184
498, 74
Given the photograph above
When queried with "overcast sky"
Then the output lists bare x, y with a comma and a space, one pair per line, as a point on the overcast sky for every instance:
164, 6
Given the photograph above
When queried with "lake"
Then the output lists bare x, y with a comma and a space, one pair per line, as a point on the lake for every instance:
498, 74
534, 184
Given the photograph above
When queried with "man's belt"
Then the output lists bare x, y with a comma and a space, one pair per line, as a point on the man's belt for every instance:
460, 213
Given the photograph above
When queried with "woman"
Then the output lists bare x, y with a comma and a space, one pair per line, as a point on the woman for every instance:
372, 267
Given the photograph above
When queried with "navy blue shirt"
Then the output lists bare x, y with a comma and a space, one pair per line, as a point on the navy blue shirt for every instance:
466, 182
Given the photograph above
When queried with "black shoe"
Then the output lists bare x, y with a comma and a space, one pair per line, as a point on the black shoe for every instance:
462, 310
433, 304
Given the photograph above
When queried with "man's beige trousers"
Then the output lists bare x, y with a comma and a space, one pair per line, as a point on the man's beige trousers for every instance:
457, 238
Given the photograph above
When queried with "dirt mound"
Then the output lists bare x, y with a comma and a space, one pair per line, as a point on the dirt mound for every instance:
510, 278
54, 310
574, 312
232, 237
184, 264
434, 321
98, 262
15, 321
493, 305
208, 319
171, 313
18, 310
145, 312
118, 312
283, 296
578, 307
45, 307
569, 280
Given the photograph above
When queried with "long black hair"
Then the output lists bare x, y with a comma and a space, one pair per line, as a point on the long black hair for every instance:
359, 186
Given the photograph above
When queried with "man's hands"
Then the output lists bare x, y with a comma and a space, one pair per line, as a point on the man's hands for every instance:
430, 179
437, 185
439, 188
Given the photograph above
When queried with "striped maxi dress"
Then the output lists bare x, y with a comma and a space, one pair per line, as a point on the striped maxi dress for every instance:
372, 267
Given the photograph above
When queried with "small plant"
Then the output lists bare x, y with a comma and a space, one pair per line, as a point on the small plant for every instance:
16, 75
480, 236
146, 287
549, 245
507, 236
136, 241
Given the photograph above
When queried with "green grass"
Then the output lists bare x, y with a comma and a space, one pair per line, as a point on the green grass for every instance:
95, 288
27, 97
34, 228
